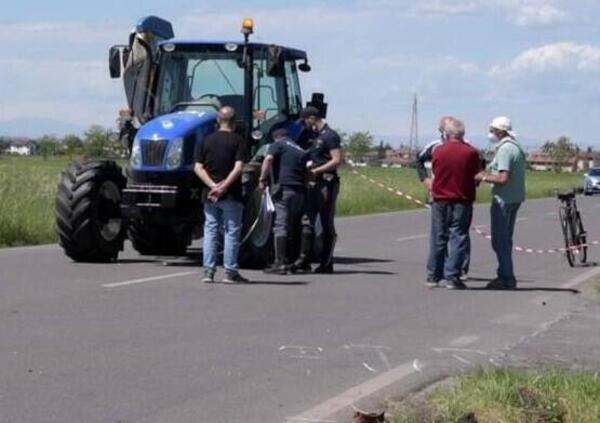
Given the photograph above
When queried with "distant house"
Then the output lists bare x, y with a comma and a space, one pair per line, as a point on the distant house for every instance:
402, 156
21, 147
587, 160
539, 160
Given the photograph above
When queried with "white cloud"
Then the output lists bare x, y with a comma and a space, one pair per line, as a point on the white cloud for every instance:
526, 13
63, 32
445, 7
565, 56
69, 78
529, 13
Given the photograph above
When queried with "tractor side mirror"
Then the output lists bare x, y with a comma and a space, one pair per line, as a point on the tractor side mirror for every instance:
304, 66
114, 62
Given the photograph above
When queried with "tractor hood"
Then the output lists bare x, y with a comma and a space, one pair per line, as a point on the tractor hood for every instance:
174, 125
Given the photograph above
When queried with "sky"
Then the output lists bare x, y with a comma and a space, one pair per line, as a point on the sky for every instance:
535, 61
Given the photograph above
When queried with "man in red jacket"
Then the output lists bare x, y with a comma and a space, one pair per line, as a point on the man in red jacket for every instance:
455, 164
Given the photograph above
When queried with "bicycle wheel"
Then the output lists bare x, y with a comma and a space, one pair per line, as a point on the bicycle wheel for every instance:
567, 234
580, 238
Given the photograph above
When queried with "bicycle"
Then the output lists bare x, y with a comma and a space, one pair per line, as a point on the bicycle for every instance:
572, 228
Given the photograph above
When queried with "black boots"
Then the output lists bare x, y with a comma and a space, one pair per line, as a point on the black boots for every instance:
302, 265
279, 267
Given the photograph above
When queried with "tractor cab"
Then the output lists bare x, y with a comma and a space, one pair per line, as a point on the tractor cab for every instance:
164, 76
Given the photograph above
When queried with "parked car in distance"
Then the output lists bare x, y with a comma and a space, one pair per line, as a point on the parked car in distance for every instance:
591, 181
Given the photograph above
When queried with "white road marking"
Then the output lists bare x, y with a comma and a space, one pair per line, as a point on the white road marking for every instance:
581, 278
463, 341
150, 279
302, 419
521, 219
30, 247
303, 352
463, 350
416, 365
375, 347
355, 394
369, 368
462, 360
412, 237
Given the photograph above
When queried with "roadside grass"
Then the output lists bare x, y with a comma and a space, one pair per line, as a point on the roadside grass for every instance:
28, 186
27, 189
509, 396
358, 196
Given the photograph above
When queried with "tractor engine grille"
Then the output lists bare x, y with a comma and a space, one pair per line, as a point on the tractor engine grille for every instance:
153, 152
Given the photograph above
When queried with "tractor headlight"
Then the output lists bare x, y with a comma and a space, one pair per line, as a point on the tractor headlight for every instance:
175, 153
136, 153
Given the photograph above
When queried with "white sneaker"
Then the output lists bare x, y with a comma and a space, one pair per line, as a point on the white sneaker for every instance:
209, 277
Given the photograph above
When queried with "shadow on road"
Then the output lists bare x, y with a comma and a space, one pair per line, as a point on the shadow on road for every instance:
532, 288
362, 272
359, 260
282, 283
137, 261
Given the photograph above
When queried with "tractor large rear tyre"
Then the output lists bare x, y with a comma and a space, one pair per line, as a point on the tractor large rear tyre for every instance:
256, 249
89, 224
150, 239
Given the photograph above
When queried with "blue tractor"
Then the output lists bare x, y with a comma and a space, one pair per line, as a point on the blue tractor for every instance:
174, 89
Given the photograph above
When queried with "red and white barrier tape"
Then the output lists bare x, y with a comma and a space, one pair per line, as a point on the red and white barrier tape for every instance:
392, 190
475, 228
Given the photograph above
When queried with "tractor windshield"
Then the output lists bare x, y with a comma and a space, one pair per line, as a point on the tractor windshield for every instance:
200, 81
211, 79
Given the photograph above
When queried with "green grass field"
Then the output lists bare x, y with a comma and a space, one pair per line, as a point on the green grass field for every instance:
510, 397
28, 186
360, 197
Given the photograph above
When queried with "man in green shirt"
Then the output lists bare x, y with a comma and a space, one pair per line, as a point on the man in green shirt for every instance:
508, 192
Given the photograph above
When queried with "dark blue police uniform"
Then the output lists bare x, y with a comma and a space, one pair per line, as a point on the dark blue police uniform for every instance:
289, 191
321, 200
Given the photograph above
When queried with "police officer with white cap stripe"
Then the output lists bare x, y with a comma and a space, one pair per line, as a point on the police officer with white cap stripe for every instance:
326, 156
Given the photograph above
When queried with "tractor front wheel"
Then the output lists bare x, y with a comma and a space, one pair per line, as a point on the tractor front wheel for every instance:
88, 214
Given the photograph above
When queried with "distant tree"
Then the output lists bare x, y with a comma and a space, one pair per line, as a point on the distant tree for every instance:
359, 144
96, 141
4, 144
72, 145
561, 151
381, 150
343, 138
48, 146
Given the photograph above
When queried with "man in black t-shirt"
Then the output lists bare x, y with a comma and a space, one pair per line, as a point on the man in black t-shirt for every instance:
218, 163
325, 155
288, 162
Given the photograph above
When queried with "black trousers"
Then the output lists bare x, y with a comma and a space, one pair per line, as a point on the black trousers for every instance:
320, 203
289, 207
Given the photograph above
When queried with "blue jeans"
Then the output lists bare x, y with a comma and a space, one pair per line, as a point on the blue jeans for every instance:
503, 218
228, 215
449, 240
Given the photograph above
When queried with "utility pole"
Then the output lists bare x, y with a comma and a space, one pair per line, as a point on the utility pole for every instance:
413, 140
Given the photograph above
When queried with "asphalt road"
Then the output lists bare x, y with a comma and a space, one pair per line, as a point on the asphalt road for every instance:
141, 341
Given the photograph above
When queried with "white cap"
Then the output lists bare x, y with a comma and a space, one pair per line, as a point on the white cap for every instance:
503, 123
